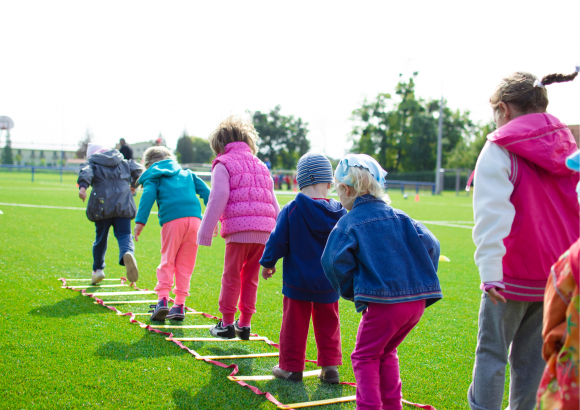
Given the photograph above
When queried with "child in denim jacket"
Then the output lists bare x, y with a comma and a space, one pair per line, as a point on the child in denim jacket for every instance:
386, 263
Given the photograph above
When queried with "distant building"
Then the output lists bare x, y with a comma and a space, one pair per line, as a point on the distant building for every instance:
576, 132
49, 155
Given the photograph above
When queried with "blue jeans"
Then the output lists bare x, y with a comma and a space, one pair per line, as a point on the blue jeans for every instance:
122, 230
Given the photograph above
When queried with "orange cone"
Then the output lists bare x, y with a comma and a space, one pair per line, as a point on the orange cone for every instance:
417, 198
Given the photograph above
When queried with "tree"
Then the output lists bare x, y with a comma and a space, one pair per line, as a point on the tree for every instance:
466, 152
7, 152
202, 153
84, 144
184, 150
282, 138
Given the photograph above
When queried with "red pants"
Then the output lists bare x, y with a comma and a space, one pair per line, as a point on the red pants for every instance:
240, 281
294, 334
374, 360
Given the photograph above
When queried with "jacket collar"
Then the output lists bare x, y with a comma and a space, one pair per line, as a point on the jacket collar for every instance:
237, 146
361, 200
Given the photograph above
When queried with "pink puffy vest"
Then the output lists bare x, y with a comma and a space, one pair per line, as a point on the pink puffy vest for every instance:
250, 206
547, 214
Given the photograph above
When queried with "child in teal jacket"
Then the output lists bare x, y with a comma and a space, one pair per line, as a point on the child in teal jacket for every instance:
175, 191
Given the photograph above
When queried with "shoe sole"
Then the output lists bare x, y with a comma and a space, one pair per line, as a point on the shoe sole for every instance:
160, 315
329, 381
242, 337
98, 280
221, 337
288, 380
175, 317
131, 267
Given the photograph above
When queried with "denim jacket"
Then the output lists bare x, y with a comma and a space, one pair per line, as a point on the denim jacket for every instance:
378, 254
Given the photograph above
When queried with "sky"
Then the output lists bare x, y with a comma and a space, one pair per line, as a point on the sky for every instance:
134, 69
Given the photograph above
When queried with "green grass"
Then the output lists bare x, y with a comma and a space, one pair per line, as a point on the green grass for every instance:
59, 350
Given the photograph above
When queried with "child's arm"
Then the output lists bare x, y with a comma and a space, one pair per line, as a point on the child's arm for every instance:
493, 211
201, 188
146, 203
430, 241
216, 205
339, 263
84, 180
277, 246
275, 203
136, 172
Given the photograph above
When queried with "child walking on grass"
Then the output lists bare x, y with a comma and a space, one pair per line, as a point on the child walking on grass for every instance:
111, 203
525, 218
300, 236
386, 263
175, 191
242, 198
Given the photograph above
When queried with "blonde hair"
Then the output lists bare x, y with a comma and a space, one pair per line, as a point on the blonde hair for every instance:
156, 154
232, 129
520, 90
362, 181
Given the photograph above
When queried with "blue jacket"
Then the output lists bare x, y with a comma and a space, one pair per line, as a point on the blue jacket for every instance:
301, 232
378, 254
174, 189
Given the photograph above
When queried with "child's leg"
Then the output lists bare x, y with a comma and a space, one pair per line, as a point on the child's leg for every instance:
526, 362
497, 327
250, 276
326, 323
231, 282
100, 245
294, 334
377, 336
122, 230
185, 260
171, 236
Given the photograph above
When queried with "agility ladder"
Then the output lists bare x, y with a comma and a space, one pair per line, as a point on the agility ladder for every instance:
241, 380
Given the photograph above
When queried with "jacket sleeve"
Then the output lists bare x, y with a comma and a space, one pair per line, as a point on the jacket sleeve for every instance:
430, 241
554, 323
201, 188
136, 172
147, 200
216, 205
492, 210
339, 262
85, 175
278, 243
275, 204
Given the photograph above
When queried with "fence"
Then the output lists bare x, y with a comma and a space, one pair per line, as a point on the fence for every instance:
32, 172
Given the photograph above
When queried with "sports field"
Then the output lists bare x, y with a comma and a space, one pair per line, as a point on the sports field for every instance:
60, 350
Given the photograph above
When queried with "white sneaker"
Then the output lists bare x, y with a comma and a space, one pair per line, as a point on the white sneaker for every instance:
131, 267
98, 276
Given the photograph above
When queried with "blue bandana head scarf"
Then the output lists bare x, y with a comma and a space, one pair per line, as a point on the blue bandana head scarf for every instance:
362, 161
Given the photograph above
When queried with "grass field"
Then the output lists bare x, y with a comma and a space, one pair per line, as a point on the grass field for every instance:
59, 350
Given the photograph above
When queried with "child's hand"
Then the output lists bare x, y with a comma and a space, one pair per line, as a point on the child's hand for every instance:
133, 191
216, 230
83, 193
137, 231
267, 273
495, 296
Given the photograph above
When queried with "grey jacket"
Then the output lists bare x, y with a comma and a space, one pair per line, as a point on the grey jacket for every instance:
111, 177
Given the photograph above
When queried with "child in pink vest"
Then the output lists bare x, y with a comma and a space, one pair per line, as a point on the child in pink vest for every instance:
242, 198
525, 218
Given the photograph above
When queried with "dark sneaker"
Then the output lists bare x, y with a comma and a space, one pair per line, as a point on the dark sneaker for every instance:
242, 332
161, 310
295, 377
329, 374
131, 267
177, 312
223, 332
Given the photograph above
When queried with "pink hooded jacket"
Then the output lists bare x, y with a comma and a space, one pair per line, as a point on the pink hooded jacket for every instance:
547, 218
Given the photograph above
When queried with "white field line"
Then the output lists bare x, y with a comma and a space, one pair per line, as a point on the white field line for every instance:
50, 207
451, 225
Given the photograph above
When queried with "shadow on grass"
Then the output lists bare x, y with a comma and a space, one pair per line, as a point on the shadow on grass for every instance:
70, 307
149, 346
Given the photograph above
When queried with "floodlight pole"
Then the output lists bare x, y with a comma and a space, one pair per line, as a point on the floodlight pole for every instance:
439, 138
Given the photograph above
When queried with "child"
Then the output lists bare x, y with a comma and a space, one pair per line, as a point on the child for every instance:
110, 204
524, 220
175, 191
242, 198
300, 236
559, 389
386, 263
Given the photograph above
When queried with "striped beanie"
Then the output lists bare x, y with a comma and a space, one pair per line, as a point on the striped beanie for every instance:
313, 169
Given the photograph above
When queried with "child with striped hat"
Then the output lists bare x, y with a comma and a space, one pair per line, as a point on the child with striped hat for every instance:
301, 232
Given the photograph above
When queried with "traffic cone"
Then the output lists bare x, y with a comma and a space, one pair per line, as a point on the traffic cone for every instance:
417, 198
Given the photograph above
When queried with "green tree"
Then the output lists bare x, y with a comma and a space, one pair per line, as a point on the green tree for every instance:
282, 138
7, 152
184, 150
467, 150
202, 153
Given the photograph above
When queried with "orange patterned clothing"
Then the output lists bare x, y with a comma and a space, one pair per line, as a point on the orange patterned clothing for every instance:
559, 386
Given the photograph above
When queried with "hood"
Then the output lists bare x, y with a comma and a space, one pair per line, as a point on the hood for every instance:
541, 139
320, 216
165, 168
110, 158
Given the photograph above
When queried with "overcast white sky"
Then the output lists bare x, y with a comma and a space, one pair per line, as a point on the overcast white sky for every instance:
134, 69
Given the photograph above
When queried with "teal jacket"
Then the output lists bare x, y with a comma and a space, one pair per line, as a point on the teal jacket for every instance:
174, 189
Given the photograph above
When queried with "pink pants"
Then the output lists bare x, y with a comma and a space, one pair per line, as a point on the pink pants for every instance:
240, 281
294, 334
374, 359
178, 253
